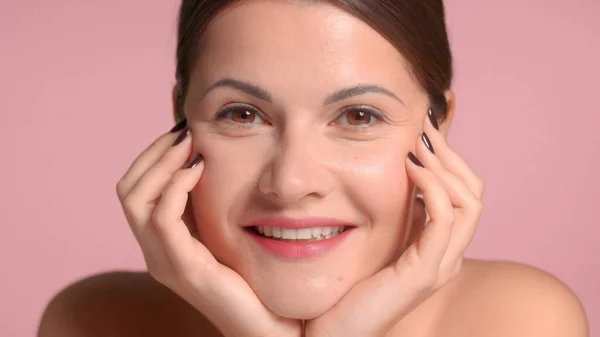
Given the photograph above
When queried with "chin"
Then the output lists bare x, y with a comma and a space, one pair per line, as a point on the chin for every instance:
300, 298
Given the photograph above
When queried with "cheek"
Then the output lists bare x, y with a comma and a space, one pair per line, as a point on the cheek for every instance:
377, 179
224, 190
230, 174
380, 189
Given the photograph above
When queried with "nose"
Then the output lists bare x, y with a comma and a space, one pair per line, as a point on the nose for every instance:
296, 170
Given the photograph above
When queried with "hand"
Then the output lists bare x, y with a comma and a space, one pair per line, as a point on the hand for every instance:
452, 194
154, 194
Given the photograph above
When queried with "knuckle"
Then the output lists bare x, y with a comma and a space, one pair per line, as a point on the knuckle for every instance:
121, 189
479, 187
476, 205
159, 217
129, 203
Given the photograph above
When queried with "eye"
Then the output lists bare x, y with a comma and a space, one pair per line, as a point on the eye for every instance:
240, 114
359, 116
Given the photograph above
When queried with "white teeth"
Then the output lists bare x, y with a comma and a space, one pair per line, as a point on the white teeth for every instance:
326, 231
313, 233
289, 234
304, 234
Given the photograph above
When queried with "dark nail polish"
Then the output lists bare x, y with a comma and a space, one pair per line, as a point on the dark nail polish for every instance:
433, 119
427, 142
183, 135
179, 126
197, 159
414, 159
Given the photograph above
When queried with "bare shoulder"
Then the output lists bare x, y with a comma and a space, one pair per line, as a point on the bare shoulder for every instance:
121, 304
498, 298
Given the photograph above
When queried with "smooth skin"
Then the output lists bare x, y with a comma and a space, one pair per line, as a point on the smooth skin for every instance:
479, 299
401, 272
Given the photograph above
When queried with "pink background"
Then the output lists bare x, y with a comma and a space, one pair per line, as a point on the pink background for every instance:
77, 77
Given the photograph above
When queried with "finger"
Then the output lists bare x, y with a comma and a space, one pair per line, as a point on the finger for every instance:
146, 159
468, 206
434, 239
453, 162
213, 286
399, 287
459, 193
143, 196
194, 265
167, 216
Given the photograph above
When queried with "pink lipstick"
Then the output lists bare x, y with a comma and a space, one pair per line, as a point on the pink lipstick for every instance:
298, 238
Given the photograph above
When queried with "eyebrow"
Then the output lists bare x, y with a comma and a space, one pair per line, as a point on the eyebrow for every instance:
248, 88
340, 95
358, 90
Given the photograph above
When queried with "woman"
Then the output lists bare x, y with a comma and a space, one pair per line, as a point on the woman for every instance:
284, 202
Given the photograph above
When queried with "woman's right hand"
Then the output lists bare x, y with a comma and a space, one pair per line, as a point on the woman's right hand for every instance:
154, 194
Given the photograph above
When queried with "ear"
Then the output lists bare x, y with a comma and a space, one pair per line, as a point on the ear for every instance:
450, 106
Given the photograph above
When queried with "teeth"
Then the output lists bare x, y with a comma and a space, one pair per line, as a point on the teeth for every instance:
313, 233
288, 234
304, 234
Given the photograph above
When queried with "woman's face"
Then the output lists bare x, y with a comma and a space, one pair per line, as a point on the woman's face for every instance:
304, 115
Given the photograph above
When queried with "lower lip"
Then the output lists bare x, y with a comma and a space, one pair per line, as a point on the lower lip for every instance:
299, 250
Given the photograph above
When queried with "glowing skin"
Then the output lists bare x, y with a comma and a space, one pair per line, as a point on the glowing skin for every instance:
302, 151
299, 155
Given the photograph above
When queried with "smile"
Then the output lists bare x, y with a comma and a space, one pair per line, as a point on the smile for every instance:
303, 234
298, 239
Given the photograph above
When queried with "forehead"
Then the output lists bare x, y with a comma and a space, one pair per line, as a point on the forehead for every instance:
285, 44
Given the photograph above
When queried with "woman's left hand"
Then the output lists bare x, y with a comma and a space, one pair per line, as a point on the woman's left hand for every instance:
452, 194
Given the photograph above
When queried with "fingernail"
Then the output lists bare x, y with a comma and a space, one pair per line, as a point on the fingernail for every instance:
197, 159
179, 126
432, 119
427, 142
414, 159
182, 136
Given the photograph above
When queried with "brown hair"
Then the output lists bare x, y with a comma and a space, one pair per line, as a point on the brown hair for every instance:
417, 28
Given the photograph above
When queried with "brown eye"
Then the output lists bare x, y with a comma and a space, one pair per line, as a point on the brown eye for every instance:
243, 116
358, 117
240, 114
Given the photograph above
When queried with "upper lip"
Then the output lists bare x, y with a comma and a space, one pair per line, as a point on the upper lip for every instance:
297, 223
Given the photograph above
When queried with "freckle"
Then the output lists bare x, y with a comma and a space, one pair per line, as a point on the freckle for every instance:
340, 278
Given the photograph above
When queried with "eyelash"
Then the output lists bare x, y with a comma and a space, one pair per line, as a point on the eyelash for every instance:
222, 115
375, 114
